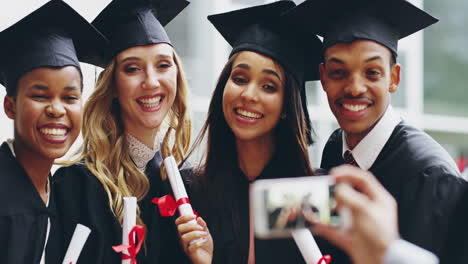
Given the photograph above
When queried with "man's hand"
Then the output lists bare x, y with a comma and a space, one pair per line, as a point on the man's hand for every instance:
374, 216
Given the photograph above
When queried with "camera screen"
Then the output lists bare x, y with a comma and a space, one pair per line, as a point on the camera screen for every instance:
293, 206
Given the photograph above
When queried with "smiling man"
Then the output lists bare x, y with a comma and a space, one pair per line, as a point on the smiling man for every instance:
359, 74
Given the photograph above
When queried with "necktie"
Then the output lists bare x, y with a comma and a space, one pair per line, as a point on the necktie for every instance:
349, 159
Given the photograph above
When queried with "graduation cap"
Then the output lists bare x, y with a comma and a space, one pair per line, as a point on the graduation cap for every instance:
344, 21
54, 35
261, 29
130, 23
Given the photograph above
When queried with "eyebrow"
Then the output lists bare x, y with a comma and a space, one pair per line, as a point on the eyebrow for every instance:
335, 60
159, 56
374, 58
70, 88
129, 59
267, 71
45, 88
40, 87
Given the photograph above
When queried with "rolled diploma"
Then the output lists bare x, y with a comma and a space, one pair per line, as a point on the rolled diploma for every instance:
80, 235
177, 186
307, 245
129, 221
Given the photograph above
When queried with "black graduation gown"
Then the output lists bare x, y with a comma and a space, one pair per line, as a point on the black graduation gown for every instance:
220, 224
81, 199
420, 176
23, 216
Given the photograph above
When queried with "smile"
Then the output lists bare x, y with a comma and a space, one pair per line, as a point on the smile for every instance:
150, 102
355, 107
248, 114
54, 133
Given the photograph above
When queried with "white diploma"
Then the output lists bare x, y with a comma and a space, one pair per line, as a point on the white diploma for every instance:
80, 235
307, 245
177, 186
129, 221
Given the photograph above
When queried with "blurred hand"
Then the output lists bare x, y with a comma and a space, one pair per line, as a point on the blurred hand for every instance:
374, 216
196, 239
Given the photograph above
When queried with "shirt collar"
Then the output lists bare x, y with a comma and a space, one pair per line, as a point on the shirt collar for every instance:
10, 145
367, 151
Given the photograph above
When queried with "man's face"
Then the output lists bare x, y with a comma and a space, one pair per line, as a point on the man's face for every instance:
358, 78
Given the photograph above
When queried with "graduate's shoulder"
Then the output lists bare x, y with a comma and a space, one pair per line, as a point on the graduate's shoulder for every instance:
420, 150
77, 173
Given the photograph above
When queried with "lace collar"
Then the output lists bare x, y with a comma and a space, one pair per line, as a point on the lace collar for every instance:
140, 153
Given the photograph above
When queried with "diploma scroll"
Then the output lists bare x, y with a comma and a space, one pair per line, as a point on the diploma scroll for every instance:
80, 235
308, 247
129, 221
177, 186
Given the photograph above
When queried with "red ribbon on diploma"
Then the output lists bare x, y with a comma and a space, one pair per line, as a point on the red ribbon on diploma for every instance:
326, 258
132, 249
168, 206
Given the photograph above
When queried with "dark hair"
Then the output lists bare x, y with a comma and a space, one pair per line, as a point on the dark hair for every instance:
216, 180
12, 86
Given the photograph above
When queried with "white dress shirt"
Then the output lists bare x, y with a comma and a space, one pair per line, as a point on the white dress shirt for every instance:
403, 252
368, 149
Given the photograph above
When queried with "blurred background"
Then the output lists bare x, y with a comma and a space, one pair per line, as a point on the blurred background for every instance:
432, 95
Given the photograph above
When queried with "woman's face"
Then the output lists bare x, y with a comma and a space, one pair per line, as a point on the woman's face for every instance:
146, 82
253, 96
47, 111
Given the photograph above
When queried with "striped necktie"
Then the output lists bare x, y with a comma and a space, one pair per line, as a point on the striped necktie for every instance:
349, 159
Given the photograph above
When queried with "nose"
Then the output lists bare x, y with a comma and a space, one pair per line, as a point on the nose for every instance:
151, 80
249, 94
55, 109
356, 86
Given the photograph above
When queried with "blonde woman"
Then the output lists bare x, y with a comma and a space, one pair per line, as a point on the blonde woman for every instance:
141, 86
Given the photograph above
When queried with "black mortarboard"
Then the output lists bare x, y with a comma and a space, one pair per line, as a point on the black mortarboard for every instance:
130, 23
54, 35
261, 29
343, 21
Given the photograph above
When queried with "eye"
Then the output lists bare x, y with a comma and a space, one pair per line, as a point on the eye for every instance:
373, 74
71, 98
131, 69
39, 97
269, 87
239, 80
164, 65
337, 73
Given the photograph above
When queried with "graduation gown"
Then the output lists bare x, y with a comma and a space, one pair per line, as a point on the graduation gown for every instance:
81, 199
221, 225
420, 175
23, 216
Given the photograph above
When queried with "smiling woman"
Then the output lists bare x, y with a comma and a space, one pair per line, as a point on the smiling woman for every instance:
257, 127
41, 72
141, 91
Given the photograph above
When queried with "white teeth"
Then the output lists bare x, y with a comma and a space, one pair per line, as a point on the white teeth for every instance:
248, 114
55, 132
150, 102
354, 108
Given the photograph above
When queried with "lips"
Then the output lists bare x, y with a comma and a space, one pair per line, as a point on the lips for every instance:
54, 133
245, 116
150, 103
354, 108
250, 114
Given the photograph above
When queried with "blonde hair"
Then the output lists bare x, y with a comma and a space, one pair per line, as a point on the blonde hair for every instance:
105, 151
